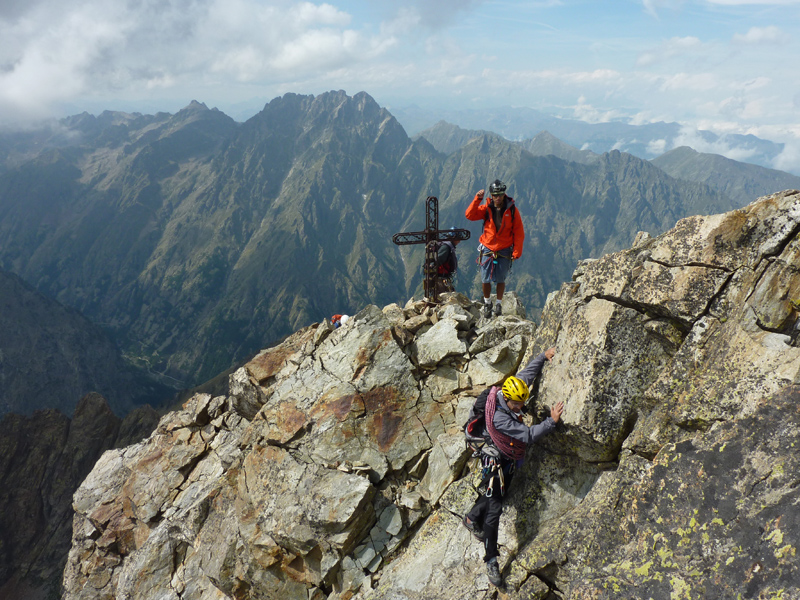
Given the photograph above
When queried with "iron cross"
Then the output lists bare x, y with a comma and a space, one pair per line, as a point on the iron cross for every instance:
429, 237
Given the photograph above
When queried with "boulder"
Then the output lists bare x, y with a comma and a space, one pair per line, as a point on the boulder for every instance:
495, 364
439, 342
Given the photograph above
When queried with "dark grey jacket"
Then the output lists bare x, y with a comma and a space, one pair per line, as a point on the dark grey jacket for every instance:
508, 423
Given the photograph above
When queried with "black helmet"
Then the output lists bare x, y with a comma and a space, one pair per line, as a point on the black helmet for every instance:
497, 187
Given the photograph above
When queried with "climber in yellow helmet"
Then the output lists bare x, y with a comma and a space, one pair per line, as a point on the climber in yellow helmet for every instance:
509, 439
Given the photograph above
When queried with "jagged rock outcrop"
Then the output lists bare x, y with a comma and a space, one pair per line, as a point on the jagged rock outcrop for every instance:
43, 460
335, 466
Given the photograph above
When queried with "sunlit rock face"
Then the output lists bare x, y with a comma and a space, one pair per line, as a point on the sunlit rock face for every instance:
335, 466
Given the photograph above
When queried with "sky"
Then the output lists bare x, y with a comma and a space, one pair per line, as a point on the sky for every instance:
727, 66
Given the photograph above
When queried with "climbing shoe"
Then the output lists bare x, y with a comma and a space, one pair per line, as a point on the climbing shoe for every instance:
487, 310
473, 529
498, 309
493, 571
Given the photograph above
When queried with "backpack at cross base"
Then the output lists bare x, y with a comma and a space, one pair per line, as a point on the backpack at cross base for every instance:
448, 268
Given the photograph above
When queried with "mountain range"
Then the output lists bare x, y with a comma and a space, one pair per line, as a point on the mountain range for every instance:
647, 140
194, 240
51, 356
742, 182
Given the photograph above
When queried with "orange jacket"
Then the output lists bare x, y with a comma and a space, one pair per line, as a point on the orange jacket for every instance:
510, 234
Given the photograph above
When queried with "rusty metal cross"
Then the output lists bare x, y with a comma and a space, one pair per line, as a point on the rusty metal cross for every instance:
429, 237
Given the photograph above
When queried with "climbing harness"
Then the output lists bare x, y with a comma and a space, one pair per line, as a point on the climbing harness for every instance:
493, 256
494, 471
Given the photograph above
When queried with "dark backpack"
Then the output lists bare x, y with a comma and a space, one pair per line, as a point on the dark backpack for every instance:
475, 428
449, 267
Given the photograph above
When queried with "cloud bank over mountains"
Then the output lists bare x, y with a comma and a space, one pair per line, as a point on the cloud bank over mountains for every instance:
722, 65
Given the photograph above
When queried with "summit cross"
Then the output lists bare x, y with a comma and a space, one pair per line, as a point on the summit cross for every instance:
429, 237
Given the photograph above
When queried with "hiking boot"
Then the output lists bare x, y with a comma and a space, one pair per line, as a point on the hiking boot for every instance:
498, 309
487, 310
493, 571
473, 529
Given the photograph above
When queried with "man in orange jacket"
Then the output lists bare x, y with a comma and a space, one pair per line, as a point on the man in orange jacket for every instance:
500, 242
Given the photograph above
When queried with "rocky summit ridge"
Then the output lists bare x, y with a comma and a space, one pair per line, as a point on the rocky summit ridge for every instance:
335, 467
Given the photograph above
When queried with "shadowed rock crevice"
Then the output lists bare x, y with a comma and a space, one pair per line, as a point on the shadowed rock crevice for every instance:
690, 263
649, 312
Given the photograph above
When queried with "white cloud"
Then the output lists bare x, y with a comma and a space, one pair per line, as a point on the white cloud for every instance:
656, 147
648, 116
689, 136
652, 6
322, 49
432, 15
688, 82
600, 77
53, 52
757, 83
761, 35
672, 48
789, 159
586, 112
404, 22
596, 76
307, 14
754, 2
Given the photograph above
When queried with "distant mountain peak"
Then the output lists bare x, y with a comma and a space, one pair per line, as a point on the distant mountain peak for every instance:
738, 180
194, 106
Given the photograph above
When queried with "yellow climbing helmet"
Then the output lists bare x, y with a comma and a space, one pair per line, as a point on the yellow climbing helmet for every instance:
515, 389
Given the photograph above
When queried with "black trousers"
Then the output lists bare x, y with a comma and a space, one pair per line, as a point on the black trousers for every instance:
486, 514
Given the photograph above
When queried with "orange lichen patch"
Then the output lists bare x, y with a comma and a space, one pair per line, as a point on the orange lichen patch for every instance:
377, 399
343, 410
304, 569
385, 428
267, 554
269, 362
284, 422
105, 513
365, 354
339, 408
266, 365
151, 458
729, 233
267, 454
120, 532
128, 504
385, 415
